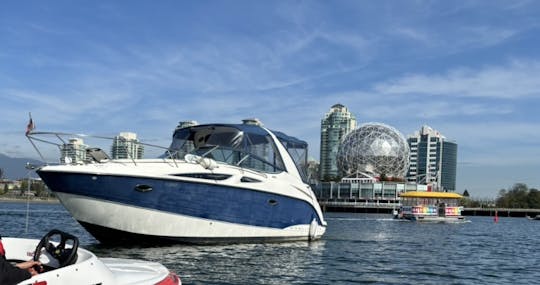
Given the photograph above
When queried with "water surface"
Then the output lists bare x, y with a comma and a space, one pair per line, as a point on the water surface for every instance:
356, 249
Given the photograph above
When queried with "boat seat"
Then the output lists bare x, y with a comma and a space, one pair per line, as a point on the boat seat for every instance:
95, 154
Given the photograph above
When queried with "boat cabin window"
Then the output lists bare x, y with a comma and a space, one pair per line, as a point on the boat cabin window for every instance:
409, 201
228, 144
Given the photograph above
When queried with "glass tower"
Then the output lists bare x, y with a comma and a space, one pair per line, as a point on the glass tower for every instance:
337, 123
73, 152
126, 145
433, 159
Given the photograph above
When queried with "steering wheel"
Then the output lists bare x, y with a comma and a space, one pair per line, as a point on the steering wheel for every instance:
65, 256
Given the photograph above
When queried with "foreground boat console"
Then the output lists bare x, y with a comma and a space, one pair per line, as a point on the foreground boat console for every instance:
64, 262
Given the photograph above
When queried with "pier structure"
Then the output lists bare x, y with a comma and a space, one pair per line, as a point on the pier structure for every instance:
362, 194
365, 196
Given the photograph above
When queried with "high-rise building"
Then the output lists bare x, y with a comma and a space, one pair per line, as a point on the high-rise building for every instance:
126, 145
73, 152
433, 159
337, 123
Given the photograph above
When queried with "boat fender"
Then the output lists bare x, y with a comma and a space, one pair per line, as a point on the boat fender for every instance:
313, 229
208, 163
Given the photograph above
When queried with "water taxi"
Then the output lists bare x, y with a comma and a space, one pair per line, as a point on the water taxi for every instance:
424, 206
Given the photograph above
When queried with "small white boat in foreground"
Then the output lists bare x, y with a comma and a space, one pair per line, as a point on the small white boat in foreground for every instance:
65, 263
433, 207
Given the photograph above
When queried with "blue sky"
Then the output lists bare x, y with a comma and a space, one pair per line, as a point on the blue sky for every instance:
470, 69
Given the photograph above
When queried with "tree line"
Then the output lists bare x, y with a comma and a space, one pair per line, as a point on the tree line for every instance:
517, 196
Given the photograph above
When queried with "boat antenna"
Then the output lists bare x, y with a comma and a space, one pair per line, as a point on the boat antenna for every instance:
30, 168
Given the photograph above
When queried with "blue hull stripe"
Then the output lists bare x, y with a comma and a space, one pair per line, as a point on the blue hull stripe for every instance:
222, 203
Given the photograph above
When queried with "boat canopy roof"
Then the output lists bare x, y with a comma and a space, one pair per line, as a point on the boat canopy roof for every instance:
259, 132
425, 194
290, 142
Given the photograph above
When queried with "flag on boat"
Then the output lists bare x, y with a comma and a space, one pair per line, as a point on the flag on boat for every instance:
30, 126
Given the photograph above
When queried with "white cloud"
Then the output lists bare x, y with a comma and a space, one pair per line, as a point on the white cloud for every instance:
414, 34
481, 36
516, 80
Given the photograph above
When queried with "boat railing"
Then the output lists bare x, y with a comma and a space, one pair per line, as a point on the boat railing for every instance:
82, 152
69, 149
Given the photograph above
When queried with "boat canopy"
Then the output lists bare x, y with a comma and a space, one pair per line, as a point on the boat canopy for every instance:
298, 150
244, 145
425, 194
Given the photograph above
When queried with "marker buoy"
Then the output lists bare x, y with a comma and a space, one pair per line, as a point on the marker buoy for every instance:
496, 218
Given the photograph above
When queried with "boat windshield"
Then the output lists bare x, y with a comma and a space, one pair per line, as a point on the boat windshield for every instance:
241, 145
298, 150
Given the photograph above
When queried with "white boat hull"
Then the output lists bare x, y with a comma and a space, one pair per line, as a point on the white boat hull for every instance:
120, 221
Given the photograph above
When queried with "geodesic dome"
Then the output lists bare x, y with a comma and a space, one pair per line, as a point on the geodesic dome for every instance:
374, 149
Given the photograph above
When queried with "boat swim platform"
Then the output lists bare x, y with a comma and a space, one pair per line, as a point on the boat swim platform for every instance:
387, 206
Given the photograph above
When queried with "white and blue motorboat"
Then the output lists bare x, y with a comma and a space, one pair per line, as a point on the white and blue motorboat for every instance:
215, 183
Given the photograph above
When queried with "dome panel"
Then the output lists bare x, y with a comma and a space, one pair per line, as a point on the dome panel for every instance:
376, 149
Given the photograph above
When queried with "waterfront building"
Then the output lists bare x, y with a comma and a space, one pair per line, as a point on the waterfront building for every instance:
126, 145
433, 159
373, 150
335, 125
312, 171
363, 190
73, 152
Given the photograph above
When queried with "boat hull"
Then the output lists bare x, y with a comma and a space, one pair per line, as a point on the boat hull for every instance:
435, 219
117, 209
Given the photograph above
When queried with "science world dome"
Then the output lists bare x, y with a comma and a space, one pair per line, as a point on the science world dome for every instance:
375, 149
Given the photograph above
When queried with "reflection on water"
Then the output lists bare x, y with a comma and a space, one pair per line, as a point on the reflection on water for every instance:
357, 248
272, 263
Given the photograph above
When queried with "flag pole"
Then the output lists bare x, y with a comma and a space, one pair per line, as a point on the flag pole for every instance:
31, 126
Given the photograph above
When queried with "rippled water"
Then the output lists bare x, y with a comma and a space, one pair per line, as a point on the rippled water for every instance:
357, 248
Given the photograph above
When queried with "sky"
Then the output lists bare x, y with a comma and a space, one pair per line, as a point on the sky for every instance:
469, 69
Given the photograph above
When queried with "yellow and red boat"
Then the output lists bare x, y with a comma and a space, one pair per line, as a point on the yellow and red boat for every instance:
424, 206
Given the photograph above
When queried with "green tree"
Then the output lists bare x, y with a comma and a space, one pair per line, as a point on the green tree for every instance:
533, 199
24, 185
502, 199
519, 196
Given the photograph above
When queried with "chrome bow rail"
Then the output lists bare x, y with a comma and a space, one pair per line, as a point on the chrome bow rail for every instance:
61, 140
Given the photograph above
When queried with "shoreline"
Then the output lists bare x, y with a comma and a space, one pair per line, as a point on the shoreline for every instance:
33, 200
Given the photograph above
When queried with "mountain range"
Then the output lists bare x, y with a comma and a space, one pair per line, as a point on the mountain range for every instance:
15, 168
